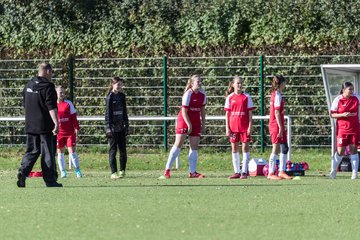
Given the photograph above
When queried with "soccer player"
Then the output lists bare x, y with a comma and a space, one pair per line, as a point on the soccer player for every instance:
238, 107
345, 109
277, 129
68, 133
117, 126
191, 122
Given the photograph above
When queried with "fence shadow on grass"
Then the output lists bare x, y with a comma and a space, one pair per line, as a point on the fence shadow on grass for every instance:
184, 185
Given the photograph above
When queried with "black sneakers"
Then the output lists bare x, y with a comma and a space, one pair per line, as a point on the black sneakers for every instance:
54, 184
21, 180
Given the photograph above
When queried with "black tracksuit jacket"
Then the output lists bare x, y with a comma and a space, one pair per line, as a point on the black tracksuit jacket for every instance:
116, 117
39, 97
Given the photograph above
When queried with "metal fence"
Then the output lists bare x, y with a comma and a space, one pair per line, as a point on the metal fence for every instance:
154, 87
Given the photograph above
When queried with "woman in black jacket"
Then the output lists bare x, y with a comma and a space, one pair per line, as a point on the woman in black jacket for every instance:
117, 126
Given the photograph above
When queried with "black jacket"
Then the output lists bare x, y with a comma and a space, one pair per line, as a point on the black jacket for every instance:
116, 117
39, 97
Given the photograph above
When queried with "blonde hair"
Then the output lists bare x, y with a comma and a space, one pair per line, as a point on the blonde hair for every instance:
58, 87
191, 80
230, 88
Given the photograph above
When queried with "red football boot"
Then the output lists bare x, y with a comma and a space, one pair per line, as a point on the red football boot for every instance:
243, 176
235, 176
196, 175
167, 173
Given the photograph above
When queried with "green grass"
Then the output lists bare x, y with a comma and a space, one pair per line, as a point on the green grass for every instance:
143, 207
96, 159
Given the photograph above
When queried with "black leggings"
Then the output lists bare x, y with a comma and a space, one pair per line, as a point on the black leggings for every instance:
118, 140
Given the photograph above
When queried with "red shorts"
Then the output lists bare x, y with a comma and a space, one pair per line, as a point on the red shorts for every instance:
196, 130
69, 140
239, 136
275, 139
342, 140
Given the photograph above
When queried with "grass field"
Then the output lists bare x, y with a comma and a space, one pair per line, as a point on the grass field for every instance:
143, 207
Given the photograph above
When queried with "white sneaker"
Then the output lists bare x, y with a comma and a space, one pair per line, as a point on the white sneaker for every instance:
114, 176
354, 175
63, 174
122, 174
332, 174
78, 173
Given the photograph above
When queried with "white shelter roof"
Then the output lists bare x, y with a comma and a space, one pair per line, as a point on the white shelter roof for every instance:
343, 67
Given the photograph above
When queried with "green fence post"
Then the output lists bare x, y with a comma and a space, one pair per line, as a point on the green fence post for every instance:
262, 133
165, 99
71, 62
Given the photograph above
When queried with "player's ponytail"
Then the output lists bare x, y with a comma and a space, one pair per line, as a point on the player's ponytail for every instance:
188, 85
345, 85
230, 89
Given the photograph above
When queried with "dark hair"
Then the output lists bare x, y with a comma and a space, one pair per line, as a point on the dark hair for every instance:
345, 85
45, 66
113, 81
276, 82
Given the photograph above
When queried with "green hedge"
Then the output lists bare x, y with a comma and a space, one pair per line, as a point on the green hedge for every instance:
174, 27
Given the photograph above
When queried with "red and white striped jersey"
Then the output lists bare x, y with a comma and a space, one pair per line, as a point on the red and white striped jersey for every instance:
239, 106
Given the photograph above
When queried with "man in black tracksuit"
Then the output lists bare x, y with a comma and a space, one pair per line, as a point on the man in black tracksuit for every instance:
41, 124
117, 125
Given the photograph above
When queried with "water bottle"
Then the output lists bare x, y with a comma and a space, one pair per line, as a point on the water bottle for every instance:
292, 166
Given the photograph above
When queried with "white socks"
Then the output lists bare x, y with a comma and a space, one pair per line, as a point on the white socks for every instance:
193, 156
75, 160
335, 161
272, 162
282, 164
245, 162
236, 161
354, 158
61, 161
174, 153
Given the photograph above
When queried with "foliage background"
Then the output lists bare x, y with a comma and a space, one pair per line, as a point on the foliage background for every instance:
95, 28
297, 35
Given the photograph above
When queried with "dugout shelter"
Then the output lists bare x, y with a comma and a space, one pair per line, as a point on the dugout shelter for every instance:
334, 75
